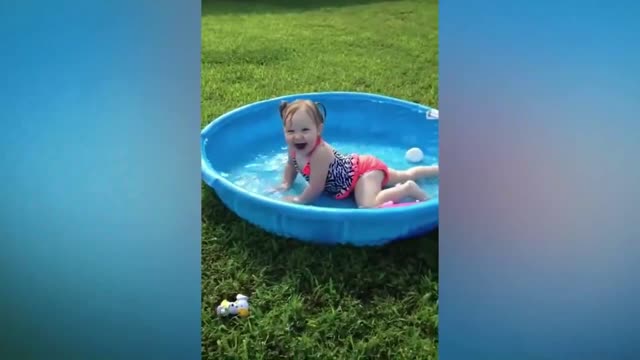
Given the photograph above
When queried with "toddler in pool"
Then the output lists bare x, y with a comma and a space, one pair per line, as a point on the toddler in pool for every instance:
340, 175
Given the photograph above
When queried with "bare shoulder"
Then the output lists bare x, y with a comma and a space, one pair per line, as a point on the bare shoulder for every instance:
323, 154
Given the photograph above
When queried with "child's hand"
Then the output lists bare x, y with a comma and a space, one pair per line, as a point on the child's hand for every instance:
291, 199
280, 188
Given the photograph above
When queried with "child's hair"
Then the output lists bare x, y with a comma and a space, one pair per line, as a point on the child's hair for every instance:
313, 108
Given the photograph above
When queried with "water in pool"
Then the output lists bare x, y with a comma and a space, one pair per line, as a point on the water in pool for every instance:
265, 171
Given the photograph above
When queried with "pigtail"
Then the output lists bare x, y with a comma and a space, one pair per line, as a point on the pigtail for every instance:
282, 108
323, 113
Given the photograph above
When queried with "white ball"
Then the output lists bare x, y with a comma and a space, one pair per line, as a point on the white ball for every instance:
414, 155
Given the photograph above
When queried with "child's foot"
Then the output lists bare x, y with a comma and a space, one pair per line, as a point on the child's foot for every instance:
426, 171
414, 191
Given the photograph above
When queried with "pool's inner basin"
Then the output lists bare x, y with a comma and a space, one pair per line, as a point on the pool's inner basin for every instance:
249, 149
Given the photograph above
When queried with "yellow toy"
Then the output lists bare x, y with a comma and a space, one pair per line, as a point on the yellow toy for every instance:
240, 307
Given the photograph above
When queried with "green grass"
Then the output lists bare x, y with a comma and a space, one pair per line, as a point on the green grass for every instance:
316, 301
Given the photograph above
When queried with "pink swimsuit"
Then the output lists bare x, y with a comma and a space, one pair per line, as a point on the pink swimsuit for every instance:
344, 171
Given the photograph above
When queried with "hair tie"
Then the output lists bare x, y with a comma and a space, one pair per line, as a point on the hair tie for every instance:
324, 110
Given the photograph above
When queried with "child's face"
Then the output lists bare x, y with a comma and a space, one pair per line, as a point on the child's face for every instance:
301, 131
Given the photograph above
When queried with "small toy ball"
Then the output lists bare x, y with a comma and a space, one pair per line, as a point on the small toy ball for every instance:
414, 155
240, 307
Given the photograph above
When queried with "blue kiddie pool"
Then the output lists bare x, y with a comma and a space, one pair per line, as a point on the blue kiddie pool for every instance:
244, 154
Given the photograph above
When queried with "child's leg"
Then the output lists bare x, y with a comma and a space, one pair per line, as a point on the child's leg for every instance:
369, 193
414, 173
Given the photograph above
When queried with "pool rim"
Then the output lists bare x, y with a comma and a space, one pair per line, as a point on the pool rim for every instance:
214, 179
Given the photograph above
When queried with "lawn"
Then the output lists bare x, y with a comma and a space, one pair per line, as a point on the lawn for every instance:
316, 301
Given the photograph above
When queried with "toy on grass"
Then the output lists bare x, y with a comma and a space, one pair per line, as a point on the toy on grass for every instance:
240, 307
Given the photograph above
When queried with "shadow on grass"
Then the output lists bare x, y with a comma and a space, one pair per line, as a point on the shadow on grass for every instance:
229, 7
318, 271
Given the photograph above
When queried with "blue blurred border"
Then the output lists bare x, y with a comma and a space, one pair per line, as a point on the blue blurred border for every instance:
100, 214
539, 141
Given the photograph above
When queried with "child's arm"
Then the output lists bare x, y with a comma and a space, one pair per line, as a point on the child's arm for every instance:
290, 175
320, 161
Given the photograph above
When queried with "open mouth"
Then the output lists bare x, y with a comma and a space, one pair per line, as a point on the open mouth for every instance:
300, 146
